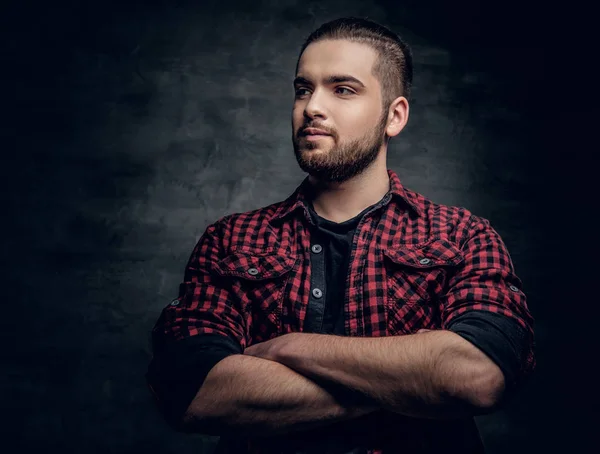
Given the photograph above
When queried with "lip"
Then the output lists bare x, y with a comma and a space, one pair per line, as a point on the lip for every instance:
314, 132
316, 136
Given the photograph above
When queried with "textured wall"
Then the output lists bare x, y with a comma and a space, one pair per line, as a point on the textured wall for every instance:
130, 128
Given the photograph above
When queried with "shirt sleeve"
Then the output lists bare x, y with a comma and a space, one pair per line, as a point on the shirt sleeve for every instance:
195, 331
501, 338
486, 305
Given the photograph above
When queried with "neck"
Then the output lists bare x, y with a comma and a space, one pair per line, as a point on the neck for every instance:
338, 202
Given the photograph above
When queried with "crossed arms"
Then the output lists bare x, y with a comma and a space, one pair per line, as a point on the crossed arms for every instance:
300, 381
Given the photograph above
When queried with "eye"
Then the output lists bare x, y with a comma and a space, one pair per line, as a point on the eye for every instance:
299, 90
347, 89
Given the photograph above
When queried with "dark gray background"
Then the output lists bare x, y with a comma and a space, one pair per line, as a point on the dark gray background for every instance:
129, 126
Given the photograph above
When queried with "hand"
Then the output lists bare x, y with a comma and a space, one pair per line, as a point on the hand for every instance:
270, 349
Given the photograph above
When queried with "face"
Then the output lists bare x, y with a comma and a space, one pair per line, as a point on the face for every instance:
336, 92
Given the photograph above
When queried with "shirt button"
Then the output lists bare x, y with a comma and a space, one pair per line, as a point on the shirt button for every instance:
175, 303
317, 248
253, 271
424, 261
513, 288
317, 293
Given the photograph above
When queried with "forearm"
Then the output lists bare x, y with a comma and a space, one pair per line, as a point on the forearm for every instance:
257, 397
431, 375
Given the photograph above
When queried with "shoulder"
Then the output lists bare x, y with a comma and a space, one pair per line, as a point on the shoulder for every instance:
454, 222
248, 230
252, 219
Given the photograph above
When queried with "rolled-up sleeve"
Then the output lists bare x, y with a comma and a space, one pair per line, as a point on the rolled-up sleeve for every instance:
486, 305
203, 325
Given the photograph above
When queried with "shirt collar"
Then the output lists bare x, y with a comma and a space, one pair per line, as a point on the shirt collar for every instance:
302, 195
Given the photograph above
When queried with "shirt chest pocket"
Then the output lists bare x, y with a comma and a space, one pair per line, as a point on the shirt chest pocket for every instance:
416, 275
258, 281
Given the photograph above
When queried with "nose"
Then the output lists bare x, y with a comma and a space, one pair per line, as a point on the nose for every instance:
315, 106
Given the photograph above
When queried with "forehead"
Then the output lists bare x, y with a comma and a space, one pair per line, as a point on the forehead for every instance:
327, 57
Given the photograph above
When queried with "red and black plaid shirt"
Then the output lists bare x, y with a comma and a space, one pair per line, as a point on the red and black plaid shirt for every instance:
413, 264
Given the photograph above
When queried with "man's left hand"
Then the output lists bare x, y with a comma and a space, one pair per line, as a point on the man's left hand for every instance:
270, 349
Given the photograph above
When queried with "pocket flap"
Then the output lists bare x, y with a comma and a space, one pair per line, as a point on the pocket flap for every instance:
255, 266
437, 252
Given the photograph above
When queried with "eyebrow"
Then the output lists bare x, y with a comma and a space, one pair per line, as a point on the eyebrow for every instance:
334, 79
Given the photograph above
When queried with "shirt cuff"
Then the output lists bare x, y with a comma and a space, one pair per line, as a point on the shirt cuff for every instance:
499, 337
177, 372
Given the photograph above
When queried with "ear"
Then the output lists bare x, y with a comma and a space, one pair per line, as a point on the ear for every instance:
398, 116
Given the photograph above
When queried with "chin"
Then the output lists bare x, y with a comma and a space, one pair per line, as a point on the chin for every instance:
316, 146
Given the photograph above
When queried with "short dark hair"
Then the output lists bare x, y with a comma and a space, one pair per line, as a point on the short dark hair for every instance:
393, 67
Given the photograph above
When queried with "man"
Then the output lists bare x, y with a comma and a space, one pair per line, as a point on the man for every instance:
356, 316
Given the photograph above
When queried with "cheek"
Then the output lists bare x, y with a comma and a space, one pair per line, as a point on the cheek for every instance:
351, 131
297, 110
297, 119
357, 122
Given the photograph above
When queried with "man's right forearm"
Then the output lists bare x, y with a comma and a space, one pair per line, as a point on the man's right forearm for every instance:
252, 396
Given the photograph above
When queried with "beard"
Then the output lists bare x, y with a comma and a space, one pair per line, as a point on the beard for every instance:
343, 161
